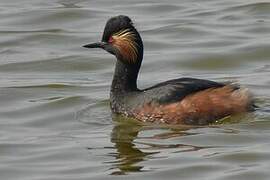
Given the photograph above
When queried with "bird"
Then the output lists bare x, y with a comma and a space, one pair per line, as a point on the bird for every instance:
182, 101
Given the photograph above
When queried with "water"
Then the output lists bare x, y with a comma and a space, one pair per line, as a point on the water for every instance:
54, 117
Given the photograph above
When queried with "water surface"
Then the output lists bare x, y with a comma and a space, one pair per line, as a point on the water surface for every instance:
55, 121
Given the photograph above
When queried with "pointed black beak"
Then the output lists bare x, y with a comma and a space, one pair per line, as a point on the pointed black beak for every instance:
95, 45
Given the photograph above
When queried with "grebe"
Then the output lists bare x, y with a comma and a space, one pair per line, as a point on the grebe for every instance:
179, 101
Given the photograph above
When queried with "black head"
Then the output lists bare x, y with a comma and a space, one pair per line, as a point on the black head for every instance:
121, 39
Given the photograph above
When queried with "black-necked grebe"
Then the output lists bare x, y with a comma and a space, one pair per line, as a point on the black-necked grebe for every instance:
178, 101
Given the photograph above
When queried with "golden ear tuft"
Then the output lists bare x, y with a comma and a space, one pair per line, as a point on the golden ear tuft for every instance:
125, 42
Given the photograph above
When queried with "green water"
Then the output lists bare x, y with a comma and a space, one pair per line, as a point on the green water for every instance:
55, 121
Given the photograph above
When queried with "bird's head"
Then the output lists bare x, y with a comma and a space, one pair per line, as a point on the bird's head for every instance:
121, 39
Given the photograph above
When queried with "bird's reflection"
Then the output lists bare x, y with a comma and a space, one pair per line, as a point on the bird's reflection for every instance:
128, 155
133, 149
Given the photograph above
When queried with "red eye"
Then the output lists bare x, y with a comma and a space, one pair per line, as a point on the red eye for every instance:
110, 40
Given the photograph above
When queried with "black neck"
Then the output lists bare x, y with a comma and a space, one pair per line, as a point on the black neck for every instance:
125, 78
